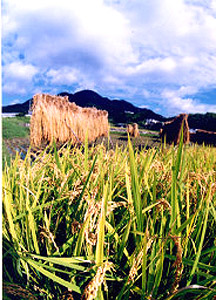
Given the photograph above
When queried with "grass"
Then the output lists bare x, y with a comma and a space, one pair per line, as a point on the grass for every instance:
14, 127
117, 224
6, 157
141, 134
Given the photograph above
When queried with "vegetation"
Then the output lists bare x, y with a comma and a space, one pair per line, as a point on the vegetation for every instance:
12, 128
203, 121
5, 154
15, 127
119, 224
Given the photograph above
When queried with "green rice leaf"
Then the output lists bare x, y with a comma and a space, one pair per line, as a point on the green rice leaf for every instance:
53, 277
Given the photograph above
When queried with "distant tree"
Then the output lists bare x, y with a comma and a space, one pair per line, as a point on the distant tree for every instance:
203, 121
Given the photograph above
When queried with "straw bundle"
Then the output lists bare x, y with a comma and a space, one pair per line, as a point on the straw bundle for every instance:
54, 118
133, 130
129, 129
172, 130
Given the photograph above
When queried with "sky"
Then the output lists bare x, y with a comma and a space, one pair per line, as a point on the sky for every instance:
158, 54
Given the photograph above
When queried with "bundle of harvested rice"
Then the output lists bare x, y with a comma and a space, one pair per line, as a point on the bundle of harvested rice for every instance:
172, 130
133, 130
54, 118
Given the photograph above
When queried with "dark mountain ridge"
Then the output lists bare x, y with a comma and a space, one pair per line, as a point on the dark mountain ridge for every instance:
17, 108
121, 111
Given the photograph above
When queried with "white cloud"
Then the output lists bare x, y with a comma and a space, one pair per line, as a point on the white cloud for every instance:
72, 29
17, 70
14, 88
153, 65
175, 102
127, 49
18, 78
188, 105
186, 90
62, 76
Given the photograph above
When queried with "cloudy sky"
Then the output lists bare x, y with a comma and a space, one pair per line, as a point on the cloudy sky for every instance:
158, 54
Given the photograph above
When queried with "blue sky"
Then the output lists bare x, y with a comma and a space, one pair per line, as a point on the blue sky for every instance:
158, 54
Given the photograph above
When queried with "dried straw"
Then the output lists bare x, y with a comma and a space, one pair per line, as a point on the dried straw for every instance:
91, 289
54, 118
133, 130
130, 129
172, 130
17, 291
178, 263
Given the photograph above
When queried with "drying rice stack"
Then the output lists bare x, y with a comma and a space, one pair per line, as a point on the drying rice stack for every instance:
133, 130
55, 118
172, 130
130, 129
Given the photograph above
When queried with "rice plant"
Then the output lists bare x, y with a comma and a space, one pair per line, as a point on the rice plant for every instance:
91, 223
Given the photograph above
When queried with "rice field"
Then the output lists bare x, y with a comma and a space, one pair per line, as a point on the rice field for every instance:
102, 223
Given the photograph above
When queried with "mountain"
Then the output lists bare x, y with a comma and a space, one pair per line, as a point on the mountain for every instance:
120, 111
16, 108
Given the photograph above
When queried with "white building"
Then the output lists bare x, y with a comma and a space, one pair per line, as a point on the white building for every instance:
151, 121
